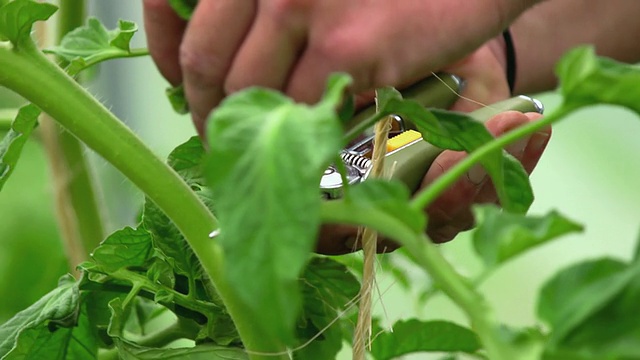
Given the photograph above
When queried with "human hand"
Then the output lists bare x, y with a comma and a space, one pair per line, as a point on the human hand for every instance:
293, 45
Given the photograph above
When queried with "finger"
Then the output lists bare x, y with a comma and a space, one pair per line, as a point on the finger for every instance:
271, 48
164, 31
328, 53
334, 239
213, 35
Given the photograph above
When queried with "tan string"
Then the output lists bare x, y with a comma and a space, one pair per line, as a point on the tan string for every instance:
362, 335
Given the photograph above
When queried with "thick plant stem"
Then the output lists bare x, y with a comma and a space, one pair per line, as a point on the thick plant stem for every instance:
78, 211
29, 73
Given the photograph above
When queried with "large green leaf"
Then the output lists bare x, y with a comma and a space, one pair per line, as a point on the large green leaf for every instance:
460, 132
18, 16
412, 336
586, 79
58, 307
267, 155
328, 287
500, 236
611, 333
580, 291
77, 342
13, 142
124, 248
93, 43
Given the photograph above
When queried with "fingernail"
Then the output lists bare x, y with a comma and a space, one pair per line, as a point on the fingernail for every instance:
477, 175
517, 148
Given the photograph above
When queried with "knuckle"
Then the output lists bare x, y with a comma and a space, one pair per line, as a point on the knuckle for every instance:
359, 54
341, 51
198, 66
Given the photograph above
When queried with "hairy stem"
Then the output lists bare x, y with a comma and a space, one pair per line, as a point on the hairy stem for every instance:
29, 73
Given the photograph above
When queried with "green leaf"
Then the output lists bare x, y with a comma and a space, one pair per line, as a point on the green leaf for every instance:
121, 37
124, 248
184, 8
177, 99
501, 236
267, 155
131, 351
17, 19
412, 336
58, 307
13, 142
93, 43
186, 159
460, 132
612, 332
77, 342
160, 272
429, 125
578, 292
327, 288
586, 79
386, 94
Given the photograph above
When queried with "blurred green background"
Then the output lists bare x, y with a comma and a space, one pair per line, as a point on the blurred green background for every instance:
590, 172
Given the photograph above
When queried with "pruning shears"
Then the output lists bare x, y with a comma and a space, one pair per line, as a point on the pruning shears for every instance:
408, 155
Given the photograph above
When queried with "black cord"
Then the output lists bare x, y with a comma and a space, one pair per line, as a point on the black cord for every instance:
511, 59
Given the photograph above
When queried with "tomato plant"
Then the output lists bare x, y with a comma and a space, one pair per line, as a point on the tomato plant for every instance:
223, 254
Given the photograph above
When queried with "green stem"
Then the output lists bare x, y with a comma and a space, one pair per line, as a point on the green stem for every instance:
143, 283
29, 73
116, 54
427, 256
441, 184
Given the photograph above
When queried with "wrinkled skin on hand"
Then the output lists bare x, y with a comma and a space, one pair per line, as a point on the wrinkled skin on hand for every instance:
293, 45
